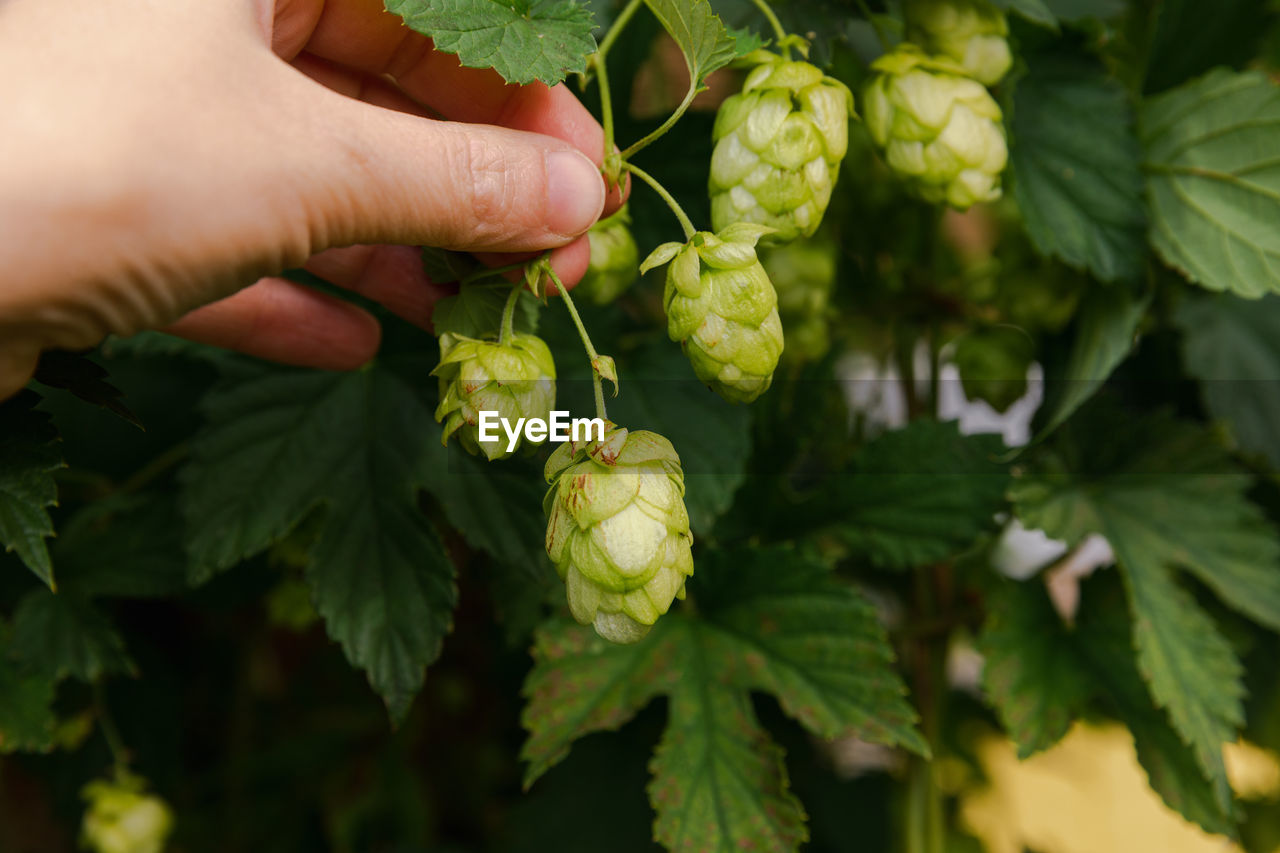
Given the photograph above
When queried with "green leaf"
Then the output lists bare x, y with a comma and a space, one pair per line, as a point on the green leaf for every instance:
1032, 672
1233, 347
713, 438
497, 508
476, 310
1188, 42
27, 462
1035, 11
810, 640
1213, 183
768, 619
719, 781
523, 40
443, 265
702, 37
86, 379
581, 684
915, 495
126, 545
1102, 336
1076, 166
282, 444
63, 634
26, 709
1042, 675
1165, 496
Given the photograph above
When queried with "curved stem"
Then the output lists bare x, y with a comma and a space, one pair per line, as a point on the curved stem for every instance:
763, 6
507, 329
685, 223
655, 135
107, 724
615, 29
597, 384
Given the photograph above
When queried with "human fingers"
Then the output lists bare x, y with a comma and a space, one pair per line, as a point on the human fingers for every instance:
278, 320
362, 36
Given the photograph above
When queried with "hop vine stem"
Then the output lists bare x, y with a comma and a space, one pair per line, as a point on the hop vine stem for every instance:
769, 15
685, 223
596, 383
602, 75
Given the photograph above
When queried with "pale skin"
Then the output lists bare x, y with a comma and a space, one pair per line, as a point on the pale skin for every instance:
164, 160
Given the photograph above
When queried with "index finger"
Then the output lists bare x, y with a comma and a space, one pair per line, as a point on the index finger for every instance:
361, 34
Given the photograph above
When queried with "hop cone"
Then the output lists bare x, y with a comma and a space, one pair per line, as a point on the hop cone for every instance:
938, 129
618, 531
722, 309
615, 259
803, 274
516, 379
778, 148
971, 33
122, 819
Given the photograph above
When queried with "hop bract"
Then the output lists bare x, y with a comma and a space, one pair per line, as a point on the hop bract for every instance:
122, 819
615, 260
516, 379
617, 530
778, 149
940, 130
722, 309
971, 33
803, 274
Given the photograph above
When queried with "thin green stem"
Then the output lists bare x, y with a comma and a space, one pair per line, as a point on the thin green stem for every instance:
881, 35
155, 469
615, 29
685, 223
507, 329
763, 6
657, 134
602, 75
107, 725
597, 383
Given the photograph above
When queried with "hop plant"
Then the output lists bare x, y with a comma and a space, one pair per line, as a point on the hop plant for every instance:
778, 147
971, 33
614, 259
618, 531
122, 819
803, 274
516, 379
722, 309
939, 129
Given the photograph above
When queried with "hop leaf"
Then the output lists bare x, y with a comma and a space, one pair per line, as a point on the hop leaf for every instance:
618, 531
940, 130
722, 309
779, 144
515, 379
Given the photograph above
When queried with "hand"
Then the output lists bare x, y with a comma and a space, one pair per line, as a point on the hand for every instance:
161, 156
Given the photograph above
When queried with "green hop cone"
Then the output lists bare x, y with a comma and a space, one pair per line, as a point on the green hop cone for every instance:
971, 33
615, 260
778, 147
938, 129
121, 818
516, 379
618, 531
803, 274
722, 309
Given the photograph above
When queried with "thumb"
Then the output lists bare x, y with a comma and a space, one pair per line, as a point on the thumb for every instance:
382, 176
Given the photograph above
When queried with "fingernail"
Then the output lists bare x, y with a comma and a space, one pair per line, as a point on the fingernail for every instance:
575, 193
